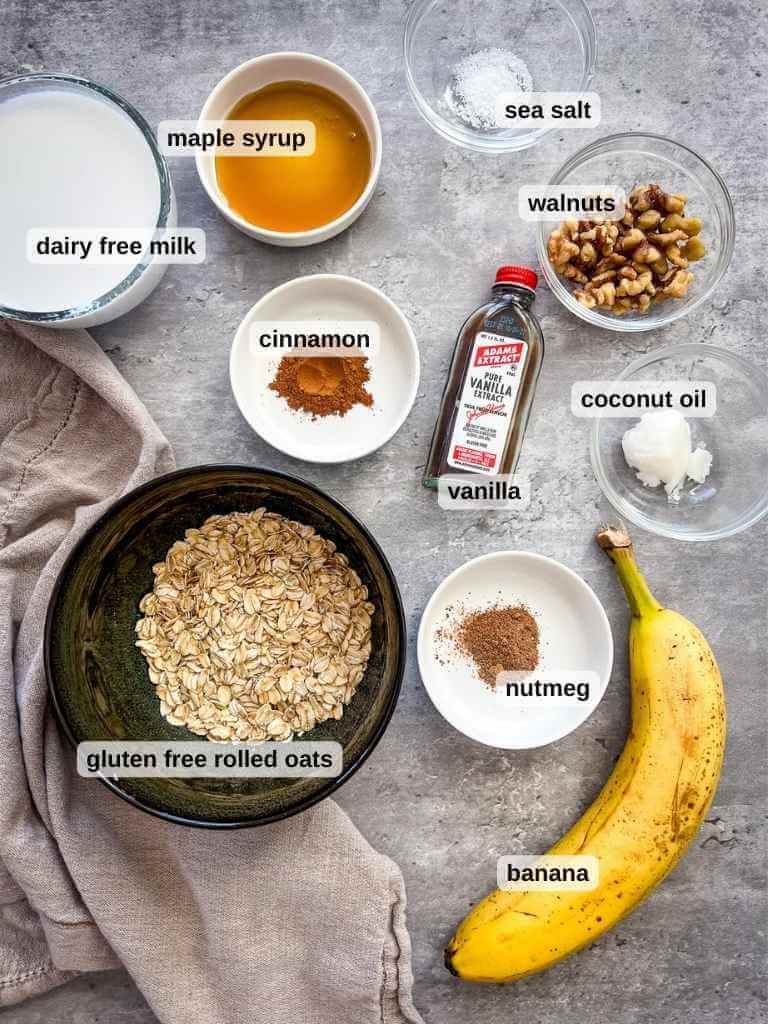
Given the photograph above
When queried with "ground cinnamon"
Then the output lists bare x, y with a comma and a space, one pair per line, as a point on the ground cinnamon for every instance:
323, 385
500, 639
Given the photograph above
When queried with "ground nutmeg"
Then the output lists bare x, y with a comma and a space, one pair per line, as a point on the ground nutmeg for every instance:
499, 639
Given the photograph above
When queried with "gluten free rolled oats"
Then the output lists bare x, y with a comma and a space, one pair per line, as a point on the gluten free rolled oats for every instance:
256, 628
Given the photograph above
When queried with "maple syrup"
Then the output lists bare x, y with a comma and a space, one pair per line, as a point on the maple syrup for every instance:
298, 193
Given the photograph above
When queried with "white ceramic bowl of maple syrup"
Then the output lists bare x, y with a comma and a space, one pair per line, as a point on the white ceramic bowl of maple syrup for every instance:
259, 73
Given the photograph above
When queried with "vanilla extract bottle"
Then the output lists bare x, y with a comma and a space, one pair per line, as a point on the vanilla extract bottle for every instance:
491, 383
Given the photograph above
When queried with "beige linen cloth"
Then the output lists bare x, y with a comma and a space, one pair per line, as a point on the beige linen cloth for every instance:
295, 923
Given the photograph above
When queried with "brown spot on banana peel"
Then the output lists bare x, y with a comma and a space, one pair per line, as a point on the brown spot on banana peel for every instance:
675, 818
447, 955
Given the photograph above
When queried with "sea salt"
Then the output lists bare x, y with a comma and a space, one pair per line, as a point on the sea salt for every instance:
478, 80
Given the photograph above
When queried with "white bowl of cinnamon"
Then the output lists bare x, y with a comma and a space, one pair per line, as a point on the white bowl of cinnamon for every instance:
325, 404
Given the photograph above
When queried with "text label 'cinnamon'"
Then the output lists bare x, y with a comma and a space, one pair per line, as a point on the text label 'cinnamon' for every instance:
314, 337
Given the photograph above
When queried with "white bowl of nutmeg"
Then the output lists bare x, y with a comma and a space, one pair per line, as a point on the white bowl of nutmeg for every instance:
515, 650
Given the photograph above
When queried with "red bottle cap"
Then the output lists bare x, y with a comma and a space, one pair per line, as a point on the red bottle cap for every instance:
517, 275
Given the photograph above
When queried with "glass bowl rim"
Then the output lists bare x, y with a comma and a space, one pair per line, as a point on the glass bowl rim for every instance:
756, 511
602, 146
166, 197
465, 137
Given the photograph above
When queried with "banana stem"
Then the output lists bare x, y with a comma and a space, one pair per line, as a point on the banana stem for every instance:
614, 540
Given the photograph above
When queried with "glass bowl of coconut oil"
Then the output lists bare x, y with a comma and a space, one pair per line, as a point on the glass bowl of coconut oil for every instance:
460, 57
732, 494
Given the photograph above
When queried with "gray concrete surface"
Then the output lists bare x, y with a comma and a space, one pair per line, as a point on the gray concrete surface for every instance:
440, 805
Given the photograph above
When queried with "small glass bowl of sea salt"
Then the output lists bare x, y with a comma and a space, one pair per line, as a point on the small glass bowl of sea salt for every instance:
461, 57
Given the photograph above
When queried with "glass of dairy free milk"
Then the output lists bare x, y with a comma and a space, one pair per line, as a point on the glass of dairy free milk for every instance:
74, 155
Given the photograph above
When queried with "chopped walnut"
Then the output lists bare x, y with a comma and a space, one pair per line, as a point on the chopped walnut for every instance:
646, 253
561, 250
679, 284
648, 220
586, 299
626, 265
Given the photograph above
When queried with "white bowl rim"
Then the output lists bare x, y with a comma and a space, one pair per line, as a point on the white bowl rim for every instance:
534, 556
354, 283
759, 508
320, 233
617, 324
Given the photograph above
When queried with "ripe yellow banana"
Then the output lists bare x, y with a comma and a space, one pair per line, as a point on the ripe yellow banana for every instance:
647, 813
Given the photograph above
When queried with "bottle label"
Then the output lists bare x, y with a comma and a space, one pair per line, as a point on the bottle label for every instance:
487, 403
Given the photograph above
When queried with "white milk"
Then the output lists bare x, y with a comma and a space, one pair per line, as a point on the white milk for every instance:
68, 159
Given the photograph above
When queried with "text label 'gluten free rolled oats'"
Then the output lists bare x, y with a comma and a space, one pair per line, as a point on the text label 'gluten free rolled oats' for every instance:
182, 759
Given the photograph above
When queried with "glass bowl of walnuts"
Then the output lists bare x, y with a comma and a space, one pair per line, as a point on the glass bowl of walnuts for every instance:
663, 258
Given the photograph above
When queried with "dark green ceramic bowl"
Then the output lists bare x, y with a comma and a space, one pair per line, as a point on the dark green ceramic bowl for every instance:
98, 679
